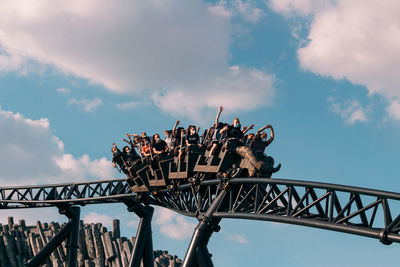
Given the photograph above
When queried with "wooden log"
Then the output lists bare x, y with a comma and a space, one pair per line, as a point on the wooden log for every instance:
20, 260
98, 262
127, 248
32, 242
82, 242
64, 246
22, 224
90, 243
88, 263
40, 229
103, 229
97, 242
124, 256
24, 252
28, 247
56, 262
10, 222
9, 249
3, 254
107, 245
19, 246
116, 229
117, 259
55, 227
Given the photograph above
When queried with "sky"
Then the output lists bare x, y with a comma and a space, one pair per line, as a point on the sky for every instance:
76, 77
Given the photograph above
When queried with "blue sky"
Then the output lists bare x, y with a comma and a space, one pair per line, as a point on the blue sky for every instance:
75, 78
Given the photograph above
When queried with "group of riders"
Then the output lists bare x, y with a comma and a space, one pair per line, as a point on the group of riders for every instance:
142, 149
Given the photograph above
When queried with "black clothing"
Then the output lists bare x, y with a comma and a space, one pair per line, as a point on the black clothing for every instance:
132, 156
161, 146
119, 158
193, 139
258, 145
234, 132
178, 137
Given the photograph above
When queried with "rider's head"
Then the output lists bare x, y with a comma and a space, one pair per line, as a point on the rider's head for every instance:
126, 149
264, 136
236, 123
156, 138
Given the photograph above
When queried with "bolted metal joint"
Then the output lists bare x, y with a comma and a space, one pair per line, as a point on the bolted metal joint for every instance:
383, 237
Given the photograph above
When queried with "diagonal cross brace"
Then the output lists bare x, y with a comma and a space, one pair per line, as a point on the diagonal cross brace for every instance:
143, 246
70, 231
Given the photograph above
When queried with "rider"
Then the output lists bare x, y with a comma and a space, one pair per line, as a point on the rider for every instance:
118, 159
234, 143
260, 141
215, 132
160, 147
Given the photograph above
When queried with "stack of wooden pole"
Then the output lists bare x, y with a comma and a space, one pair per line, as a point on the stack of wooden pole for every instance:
98, 247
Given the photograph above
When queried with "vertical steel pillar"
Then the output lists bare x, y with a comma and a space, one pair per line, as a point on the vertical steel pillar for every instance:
73, 242
197, 253
143, 246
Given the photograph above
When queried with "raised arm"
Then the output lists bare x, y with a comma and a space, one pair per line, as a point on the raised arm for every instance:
261, 129
221, 108
271, 138
248, 129
176, 125
223, 129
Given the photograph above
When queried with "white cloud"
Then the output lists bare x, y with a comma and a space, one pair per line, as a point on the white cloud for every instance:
94, 217
240, 89
394, 109
126, 46
30, 150
221, 9
173, 225
249, 11
357, 40
127, 105
134, 47
238, 238
246, 9
350, 111
85, 104
299, 7
63, 90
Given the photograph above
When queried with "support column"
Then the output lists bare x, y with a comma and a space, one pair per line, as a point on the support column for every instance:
197, 253
143, 246
73, 242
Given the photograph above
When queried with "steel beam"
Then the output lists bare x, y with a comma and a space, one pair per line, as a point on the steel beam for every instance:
203, 231
143, 246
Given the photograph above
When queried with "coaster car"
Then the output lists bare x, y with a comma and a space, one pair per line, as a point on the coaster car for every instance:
167, 170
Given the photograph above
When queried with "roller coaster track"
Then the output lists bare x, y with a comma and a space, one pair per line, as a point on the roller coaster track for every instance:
354, 210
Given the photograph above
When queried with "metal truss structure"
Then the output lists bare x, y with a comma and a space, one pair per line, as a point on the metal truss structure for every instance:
353, 210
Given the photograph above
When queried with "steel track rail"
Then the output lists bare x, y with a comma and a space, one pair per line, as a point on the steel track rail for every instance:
347, 209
